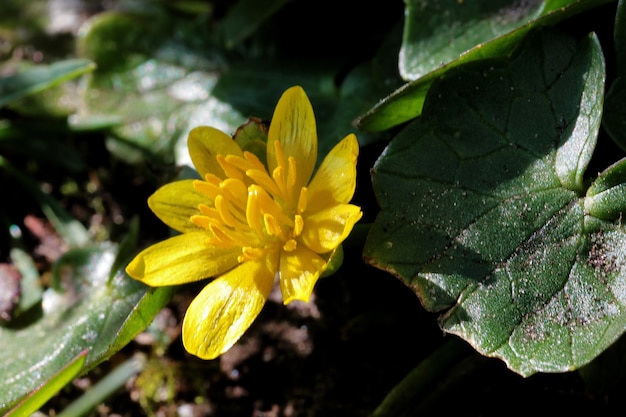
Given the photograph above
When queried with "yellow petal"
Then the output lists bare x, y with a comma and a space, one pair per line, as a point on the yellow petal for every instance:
325, 230
335, 179
180, 259
175, 203
204, 144
293, 126
225, 308
299, 271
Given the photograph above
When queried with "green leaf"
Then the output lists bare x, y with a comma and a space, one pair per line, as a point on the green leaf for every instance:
86, 310
606, 197
439, 31
31, 403
406, 102
39, 78
614, 120
151, 85
483, 208
153, 88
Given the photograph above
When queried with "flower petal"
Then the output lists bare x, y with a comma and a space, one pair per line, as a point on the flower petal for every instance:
181, 259
299, 271
204, 144
335, 179
325, 230
175, 203
225, 308
293, 126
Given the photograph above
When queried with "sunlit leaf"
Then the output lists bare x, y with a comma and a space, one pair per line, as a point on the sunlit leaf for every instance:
85, 310
406, 102
483, 208
32, 402
153, 88
439, 31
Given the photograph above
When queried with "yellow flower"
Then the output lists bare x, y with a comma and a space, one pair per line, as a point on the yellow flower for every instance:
248, 223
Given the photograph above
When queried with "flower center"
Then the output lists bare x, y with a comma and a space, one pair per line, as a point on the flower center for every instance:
252, 209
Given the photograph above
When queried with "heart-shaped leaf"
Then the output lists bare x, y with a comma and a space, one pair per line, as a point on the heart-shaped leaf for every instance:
484, 213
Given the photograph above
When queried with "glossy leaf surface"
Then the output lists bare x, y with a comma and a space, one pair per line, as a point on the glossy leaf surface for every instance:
407, 101
86, 310
484, 208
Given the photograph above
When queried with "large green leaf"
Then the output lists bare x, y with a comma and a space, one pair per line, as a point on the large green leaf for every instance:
406, 102
89, 308
614, 120
484, 212
439, 31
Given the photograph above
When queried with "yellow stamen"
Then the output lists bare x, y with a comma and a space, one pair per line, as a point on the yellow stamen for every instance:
253, 210
262, 178
291, 173
298, 225
303, 200
202, 221
279, 178
272, 227
290, 245
235, 190
250, 254
225, 212
207, 188
230, 170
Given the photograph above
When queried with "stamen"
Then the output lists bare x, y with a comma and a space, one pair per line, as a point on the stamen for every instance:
207, 188
290, 245
268, 205
212, 179
291, 173
303, 200
230, 170
298, 225
254, 160
223, 208
202, 221
279, 178
209, 211
224, 235
236, 191
271, 226
253, 210
250, 254
280, 155
249, 161
262, 178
